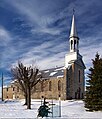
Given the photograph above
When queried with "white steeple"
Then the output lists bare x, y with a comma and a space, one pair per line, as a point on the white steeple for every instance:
73, 28
73, 55
74, 39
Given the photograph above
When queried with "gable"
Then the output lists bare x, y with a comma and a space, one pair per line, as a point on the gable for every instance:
81, 63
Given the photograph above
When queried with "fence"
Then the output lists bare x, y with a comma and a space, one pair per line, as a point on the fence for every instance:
55, 107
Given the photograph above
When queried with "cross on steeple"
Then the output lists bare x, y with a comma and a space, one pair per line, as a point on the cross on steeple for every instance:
73, 11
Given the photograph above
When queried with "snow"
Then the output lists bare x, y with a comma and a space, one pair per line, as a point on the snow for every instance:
59, 69
13, 81
5, 86
52, 73
60, 76
69, 109
46, 71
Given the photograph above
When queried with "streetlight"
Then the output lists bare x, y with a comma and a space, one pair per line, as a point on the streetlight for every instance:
59, 105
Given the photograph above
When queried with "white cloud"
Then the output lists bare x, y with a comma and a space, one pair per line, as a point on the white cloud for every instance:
28, 10
89, 53
5, 36
53, 61
41, 54
36, 17
51, 31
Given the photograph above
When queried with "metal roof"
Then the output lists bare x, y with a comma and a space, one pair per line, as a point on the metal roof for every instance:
54, 72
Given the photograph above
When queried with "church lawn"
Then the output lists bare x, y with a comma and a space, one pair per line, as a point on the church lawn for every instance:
69, 109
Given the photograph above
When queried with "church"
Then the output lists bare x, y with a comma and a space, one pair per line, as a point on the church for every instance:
66, 82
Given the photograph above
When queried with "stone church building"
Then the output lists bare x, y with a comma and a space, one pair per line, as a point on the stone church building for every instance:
66, 82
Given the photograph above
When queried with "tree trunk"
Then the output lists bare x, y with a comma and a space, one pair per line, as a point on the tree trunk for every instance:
28, 98
25, 99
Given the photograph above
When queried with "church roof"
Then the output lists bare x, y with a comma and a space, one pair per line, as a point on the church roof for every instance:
54, 72
57, 72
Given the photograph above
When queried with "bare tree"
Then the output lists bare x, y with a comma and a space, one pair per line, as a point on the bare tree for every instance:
27, 78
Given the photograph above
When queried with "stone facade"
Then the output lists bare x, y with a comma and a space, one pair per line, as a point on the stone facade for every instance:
12, 92
67, 87
49, 88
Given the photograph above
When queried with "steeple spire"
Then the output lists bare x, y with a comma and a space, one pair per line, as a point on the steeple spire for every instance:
73, 32
74, 40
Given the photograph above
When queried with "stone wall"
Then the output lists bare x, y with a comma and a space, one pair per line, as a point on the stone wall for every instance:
54, 93
69, 85
77, 85
48, 88
12, 92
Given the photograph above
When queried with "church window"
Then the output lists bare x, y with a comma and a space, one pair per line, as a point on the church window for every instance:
74, 44
7, 89
79, 76
50, 86
13, 88
77, 42
59, 85
71, 44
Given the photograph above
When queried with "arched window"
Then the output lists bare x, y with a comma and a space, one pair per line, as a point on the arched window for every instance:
77, 42
71, 44
13, 88
74, 41
59, 85
74, 44
50, 86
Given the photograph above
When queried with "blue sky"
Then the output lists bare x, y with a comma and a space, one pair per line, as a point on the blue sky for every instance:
38, 31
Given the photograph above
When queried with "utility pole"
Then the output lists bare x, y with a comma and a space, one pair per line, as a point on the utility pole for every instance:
52, 107
59, 105
2, 86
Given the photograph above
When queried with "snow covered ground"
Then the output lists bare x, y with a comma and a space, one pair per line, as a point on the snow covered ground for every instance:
70, 109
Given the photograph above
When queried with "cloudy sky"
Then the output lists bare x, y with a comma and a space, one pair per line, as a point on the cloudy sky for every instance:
38, 31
